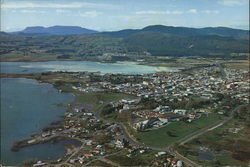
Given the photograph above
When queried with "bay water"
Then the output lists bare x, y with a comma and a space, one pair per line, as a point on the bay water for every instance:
26, 107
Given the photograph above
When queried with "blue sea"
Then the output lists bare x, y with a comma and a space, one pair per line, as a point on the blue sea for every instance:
26, 107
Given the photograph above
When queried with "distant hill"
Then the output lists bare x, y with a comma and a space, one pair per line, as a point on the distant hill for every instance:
55, 30
184, 31
121, 33
157, 40
5, 37
177, 31
162, 44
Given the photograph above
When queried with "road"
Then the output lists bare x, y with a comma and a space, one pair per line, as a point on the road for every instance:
223, 73
202, 131
126, 135
183, 140
132, 140
103, 158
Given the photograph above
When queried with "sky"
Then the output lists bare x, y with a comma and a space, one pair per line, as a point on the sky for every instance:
111, 15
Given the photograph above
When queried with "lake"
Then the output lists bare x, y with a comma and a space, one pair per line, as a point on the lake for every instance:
79, 66
26, 107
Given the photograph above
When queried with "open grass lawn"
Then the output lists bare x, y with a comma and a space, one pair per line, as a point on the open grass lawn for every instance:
95, 98
239, 64
236, 145
99, 163
19, 56
181, 62
227, 160
219, 160
160, 138
137, 159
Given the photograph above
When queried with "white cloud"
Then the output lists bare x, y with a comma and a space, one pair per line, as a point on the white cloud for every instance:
16, 5
194, 11
31, 11
210, 11
62, 11
152, 12
233, 2
90, 14
175, 12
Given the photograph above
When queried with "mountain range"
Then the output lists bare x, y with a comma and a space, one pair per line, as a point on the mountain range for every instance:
178, 31
54, 30
75, 42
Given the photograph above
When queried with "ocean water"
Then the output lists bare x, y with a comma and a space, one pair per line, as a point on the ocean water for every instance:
26, 107
77, 66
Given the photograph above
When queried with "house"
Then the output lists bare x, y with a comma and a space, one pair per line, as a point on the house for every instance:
160, 153
72, 161
88, 114
130, 101
163, 109
96, 150
180, 111
163, 121
179, 163
39, 164
142, 151
150, 123
46, 134
89, 142
81, 160
88, 154
221, 112
145, 83
175, 117
121, 143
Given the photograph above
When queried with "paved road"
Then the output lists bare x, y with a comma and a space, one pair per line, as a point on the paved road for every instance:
170, 150
131, 140
102, 158
202, 131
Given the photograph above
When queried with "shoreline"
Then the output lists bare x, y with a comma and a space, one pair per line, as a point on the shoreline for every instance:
75, 84
151, 64
54, 125
30, 142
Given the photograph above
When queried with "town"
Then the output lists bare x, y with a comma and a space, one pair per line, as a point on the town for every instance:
113, 112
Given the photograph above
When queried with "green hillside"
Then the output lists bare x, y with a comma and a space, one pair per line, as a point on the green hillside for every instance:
154, 41
168, 45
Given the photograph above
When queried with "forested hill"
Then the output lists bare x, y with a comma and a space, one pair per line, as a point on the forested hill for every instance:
184, 31
54, 30
153, 40
171, 45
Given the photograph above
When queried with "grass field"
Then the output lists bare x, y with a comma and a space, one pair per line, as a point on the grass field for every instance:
236, 145
160, 138
95, 98
137, 159
181, 62
99, 163
239, 64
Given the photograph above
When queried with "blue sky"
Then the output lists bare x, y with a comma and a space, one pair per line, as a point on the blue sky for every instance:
106, 15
